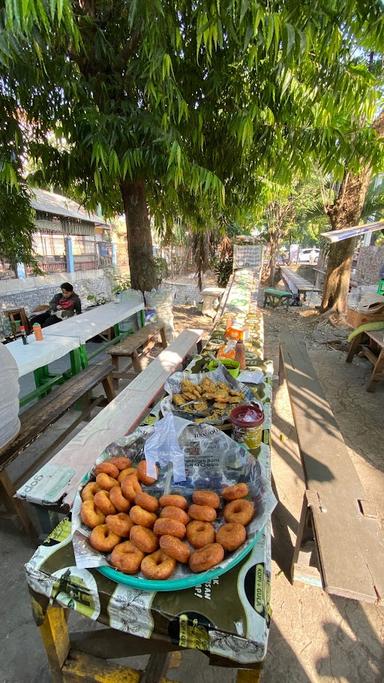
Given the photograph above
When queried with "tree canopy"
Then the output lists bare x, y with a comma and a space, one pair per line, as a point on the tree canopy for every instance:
190, 108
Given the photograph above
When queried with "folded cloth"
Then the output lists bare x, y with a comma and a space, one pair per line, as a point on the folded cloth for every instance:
366, 327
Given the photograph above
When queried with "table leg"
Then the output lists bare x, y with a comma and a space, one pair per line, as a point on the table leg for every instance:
377, 370
55, 636
354, 347
249, 675
140, 318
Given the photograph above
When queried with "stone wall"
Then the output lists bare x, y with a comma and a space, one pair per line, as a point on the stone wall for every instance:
34, 291
369, 263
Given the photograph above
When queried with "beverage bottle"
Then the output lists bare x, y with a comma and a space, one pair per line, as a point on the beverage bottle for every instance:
23, 333
37, 331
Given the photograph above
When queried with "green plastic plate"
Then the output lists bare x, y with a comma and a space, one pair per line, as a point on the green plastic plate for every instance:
177, 584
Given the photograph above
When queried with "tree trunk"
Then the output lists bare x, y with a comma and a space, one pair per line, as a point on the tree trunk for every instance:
140, 252
273, 246
346, 212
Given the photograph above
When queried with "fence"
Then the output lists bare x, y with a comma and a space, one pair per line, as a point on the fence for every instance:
179, 259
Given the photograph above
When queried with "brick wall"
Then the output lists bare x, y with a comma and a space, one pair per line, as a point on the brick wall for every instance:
369, 263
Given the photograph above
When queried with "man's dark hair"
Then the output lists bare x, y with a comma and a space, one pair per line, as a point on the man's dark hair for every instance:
67, 286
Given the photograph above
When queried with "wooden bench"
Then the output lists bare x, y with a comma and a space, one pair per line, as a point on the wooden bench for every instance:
40, 416
296, 284
120, 417
130, 347
337, 520
373, 350
276, 297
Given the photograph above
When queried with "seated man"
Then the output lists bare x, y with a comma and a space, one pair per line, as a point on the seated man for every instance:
62, 306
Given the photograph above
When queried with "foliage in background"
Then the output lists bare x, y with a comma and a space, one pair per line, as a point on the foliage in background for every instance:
16, 226
222, 261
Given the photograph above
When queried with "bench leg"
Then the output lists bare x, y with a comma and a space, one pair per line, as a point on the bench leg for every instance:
115, 372
136, 362
164, 342
249, 675
16, 506
303, 571
108, 388
354, 347
377, 370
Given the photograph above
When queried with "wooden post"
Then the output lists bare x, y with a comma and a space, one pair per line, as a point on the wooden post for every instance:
54, 632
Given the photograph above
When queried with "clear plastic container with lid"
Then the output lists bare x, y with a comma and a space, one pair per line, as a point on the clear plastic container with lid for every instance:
247, 420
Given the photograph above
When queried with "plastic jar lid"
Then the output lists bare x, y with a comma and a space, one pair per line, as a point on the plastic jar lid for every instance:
247, 415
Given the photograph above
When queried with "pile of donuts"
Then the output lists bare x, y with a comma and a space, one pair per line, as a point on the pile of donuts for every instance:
144, 533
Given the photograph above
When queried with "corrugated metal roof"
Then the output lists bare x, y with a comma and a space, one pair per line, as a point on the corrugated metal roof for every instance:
353, 231
49, 202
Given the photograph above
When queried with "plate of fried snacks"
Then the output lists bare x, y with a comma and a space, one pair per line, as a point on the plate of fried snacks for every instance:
155, 533
206, 397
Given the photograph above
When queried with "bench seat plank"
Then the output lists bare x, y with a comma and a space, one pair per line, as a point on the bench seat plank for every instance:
129, 345
119, 417
350, 545
297, 283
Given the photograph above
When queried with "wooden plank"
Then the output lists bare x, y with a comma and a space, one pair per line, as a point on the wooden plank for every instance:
135, 341
112, 644
156, 668
350, 546
51, 407
122, 415
377, 336
88, 669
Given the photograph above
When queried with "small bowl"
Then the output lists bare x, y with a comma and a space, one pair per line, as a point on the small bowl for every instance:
232, 366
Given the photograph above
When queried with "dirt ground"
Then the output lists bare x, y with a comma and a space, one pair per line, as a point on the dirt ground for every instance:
313, 637
316, 637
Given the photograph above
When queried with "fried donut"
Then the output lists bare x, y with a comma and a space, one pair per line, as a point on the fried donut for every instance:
107, 468
236, 491
158, 566
142, 473
103, 502
144, 539
147, 502
118, 500
142, 517
90, 515
165, 525
103, 539
200, 534
175, 500
89, 490
175, 548
175, 513
126, 557
240, 511
128, 472
203, 513
206, 558
209, 498
121, 524
120, 461
105, 481
130, 487
231, 536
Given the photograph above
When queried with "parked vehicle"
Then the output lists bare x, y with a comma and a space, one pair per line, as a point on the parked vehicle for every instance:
309, 255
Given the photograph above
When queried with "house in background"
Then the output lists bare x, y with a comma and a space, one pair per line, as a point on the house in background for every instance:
67, 237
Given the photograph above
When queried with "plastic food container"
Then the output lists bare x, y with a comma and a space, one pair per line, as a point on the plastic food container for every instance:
232, 366
247, 420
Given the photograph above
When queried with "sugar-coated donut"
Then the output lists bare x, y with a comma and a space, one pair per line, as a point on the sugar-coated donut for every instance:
175, 513
206, 558
103, 539
142, 473
165, 525
126, 557
175, 500
127, 472
236, 491
118, 500
240, 511
142, 517
107, 468
144, 539
130, 487
147, 502
120, 461
89, 490
105, 481
175, 548
209, 498
121, 524
231, 536
103, 502
200, 534
158, 566
90, 515
203, 513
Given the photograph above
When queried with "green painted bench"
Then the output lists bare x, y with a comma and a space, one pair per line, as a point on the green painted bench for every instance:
277, 297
